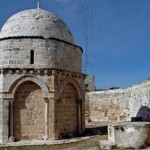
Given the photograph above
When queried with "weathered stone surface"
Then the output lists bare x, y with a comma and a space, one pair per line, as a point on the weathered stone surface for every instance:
105, 145
108, 105
28, 112
67, 111
16, 53
89, 84
129, 134
119, 104
39, 66
36, 22
23, 32
4, 121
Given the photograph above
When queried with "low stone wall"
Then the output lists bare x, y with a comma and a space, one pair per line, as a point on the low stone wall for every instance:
119, 104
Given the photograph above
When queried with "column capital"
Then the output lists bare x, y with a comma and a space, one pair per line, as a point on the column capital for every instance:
46, 99
6, 96
52, 98
11, 99
79, 100
2, 71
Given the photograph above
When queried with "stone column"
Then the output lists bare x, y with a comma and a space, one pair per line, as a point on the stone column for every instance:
79, 116
11, 138
46, 118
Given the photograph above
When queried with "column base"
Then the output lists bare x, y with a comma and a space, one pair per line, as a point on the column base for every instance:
45, 138
11, 139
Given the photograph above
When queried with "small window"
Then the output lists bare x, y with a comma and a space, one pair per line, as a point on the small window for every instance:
86, 85
32, 57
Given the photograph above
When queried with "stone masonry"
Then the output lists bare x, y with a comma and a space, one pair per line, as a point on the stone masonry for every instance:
28, 112
67, 111
119, 104
42, 91
129, 134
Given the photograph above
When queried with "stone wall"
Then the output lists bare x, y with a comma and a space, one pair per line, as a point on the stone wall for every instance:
50, 53
108, 105
4, 120
119, 104
89, 83
140, 98
27, 89
67, 111
70, 104
29, 112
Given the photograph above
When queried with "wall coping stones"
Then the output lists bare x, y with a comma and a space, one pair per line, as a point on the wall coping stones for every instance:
144, 83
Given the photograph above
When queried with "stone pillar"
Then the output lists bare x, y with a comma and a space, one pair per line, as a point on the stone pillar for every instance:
46, 118
4, 115
79, 116
82, 114
11, 138
53, 116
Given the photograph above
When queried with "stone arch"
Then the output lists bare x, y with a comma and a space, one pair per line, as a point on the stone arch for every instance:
74, 83
144, 113
28, 112
69, 106
45, 96
13, 87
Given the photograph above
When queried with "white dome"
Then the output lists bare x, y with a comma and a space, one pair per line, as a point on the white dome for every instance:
36, 22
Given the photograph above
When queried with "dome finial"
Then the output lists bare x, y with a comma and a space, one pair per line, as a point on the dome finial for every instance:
38, 5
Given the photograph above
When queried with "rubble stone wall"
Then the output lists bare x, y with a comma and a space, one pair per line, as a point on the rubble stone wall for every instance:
119, 104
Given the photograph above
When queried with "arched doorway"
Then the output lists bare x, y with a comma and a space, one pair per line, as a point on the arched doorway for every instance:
28, 112
144, 113
68, 111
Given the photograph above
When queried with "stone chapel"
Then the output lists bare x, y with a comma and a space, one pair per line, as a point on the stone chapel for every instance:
41, 82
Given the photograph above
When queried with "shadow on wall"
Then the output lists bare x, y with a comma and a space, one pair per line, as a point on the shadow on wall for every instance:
144, 113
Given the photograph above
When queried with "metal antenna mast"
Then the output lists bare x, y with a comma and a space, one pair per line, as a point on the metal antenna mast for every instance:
86, 14
38, 5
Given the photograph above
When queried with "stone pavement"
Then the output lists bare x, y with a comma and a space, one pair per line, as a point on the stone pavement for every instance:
42, 142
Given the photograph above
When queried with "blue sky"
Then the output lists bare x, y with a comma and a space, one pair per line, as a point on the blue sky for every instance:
118, 35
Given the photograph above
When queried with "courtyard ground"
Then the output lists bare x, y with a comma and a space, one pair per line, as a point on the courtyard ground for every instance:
89, 141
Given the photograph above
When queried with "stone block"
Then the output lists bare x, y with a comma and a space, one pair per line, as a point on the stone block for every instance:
129, 134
